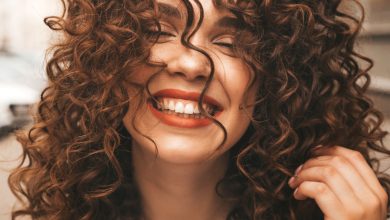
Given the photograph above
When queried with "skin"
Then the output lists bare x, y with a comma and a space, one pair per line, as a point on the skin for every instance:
189, 163
343, 185
188, 70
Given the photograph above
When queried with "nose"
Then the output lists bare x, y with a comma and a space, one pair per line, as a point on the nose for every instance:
190, 64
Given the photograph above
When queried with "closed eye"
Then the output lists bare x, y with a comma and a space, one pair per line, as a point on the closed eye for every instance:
223, 44
160, 33
225, 41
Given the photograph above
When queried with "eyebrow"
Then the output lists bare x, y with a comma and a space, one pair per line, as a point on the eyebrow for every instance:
228, 22
224, 22
169, 10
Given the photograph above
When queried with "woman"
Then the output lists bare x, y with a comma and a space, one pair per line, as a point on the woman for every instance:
204, 110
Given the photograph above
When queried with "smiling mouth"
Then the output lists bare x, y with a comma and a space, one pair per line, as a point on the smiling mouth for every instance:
181, 109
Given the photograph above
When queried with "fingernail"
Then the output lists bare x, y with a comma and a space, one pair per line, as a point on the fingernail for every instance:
291, 180
317, 147
295, 191
298, 169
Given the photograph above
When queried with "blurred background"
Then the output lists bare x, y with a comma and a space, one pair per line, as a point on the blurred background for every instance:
24, 38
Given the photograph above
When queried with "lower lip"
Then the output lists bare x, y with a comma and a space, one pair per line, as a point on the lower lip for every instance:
177, 121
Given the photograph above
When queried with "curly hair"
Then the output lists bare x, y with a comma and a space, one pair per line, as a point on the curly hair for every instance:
76, 162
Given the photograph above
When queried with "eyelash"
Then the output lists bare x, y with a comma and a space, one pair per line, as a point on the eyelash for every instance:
160, 33
222, 44
168, 34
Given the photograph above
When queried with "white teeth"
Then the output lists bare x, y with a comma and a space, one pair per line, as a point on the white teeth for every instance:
183, 106
196, 109
207, 108
171, 105
189, 108
179, 108
159, 104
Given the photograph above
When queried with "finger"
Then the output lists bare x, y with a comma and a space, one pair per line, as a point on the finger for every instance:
360, 164
332, 178
326, 200
354, 179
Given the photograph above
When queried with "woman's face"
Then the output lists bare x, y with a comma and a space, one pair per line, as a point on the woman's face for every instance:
180, 135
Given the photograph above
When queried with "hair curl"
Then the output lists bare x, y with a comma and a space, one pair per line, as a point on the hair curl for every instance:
312, 92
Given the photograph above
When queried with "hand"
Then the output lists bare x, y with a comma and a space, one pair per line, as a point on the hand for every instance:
342, 184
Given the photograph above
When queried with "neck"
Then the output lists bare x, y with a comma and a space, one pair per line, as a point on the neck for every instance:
177, 191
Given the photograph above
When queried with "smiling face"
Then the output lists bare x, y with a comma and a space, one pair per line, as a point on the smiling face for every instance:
172, 120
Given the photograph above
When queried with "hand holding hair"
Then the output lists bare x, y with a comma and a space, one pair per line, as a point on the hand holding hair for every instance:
342, 184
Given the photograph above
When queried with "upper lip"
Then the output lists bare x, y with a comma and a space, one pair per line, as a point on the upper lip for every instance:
194, 96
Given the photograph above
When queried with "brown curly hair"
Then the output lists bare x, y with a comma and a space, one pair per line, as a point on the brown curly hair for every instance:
312, 92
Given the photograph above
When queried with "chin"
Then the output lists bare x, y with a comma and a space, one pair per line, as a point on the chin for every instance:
178, 150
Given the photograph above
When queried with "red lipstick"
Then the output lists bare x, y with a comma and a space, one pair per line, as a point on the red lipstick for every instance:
174, 119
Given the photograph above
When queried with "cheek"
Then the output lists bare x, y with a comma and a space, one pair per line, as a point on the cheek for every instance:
141, 74
164, 52
237, 82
